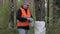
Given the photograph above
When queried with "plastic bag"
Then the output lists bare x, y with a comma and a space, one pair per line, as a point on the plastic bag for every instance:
40, 27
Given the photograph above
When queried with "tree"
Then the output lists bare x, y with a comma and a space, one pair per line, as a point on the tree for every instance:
54, 17
40, 10
58, 6
47, 24
11, 19
2, 2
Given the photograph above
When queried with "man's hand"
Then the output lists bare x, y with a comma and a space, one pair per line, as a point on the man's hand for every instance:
31, 21
28, 19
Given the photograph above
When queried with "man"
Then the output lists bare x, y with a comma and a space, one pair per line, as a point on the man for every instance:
23, 19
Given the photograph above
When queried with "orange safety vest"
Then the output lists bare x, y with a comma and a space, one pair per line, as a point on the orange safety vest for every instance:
28, 14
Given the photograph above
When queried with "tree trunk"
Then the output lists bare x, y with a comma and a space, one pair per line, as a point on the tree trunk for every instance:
11, 19
2, 2
40, 17
40, 10
47, 24
54, 17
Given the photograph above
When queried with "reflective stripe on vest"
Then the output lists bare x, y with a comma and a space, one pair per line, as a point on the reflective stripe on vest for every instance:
24, 14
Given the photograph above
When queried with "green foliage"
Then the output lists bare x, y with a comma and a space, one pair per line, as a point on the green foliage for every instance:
4, 18
58, 10
58, 14
58, 3
19, 4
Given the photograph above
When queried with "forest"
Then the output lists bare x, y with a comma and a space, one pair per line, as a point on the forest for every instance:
50, 13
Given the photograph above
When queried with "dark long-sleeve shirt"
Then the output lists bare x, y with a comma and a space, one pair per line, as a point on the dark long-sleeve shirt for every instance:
18, 17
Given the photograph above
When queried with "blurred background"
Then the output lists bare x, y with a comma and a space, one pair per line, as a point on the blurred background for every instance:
51, 17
